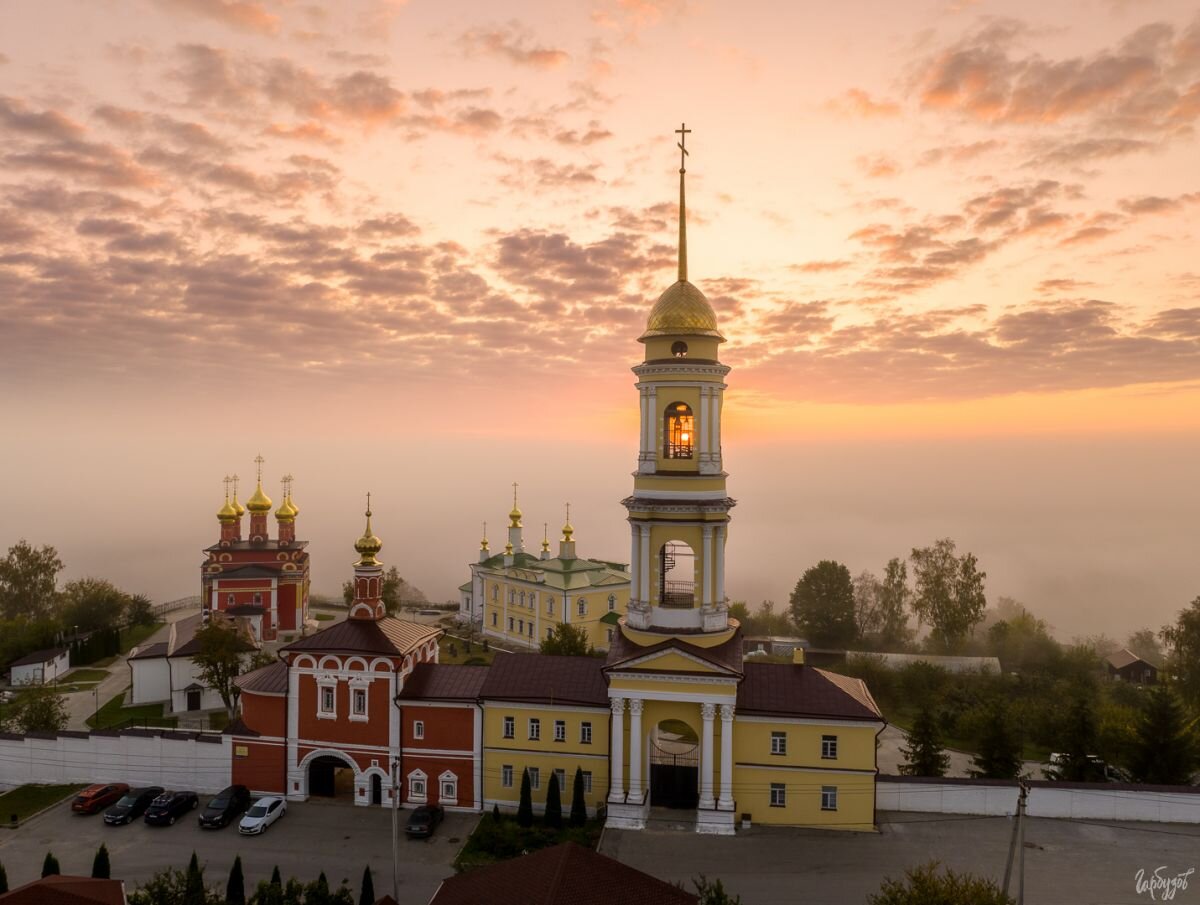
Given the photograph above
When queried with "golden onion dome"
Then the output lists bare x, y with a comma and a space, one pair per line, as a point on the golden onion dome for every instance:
286, 511
260, 502
238, 508
515, 517
227, 513
368, 545
568, 532
682, 311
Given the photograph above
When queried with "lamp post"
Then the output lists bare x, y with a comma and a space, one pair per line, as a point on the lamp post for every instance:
396, 828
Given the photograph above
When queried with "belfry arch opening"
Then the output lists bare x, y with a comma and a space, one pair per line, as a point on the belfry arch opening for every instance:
676, 575
679, 431
674, 765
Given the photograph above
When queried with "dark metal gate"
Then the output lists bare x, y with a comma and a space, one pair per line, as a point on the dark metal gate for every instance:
674, 778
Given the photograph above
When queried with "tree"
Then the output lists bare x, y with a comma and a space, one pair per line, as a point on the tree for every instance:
894, 599
552, 817
1145, 644
193, 889
949, 595
366, 895
578, 804
999, 754
1165, 750
566, 639
139, 610
712, 892
927, 885
28, 581
867, 593
50, 866
39, 709
235, 887
3, 880
924, 755
525, 808
1182, 641
90, 604
1074, 762
218, 659
1021, 641
823, 605
101, 868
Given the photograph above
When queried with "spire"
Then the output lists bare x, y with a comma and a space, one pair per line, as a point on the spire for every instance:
515, 515
566, 546
483, 544
241, 510
682, 132
368, 545
545, 540
515, 537
226, 513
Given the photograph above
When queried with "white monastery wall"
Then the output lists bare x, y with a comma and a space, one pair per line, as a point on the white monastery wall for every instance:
141, 758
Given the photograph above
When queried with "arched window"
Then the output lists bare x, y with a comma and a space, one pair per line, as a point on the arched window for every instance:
679, 349
612, 602
679, 431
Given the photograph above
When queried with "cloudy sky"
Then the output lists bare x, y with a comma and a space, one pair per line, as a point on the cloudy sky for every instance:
408, 247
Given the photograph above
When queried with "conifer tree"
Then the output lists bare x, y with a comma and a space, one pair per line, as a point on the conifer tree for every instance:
366, 895
525, 808
999, 754
1075, 762
101, 869
193, 887
3, 880
1165, 752
235, 888
553, 813
496, 811
924, 755
50, 865
276, 879
578, 805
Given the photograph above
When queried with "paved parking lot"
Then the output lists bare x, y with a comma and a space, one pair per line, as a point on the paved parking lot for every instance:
1065, 861
335, 837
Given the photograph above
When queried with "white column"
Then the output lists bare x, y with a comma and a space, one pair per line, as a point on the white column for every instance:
645, 564
644, 426
707, 712
706, 578
635, 566
616, 769
652, 422
716, 407
719, 556
635, 751
705, 427
725, 802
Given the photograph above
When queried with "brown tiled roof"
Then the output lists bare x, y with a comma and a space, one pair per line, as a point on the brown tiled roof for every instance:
40, 656
724, 656
185, 643
269, 679
389, 636
444, 682
786, 689
56, 890
544, 678
158, 649
566, 874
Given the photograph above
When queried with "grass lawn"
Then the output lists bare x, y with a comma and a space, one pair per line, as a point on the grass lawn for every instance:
113, 714
72, 687
76, 676
25, 801
136, 634
218, 721
106, 662
325, 617
494, 840
477, 656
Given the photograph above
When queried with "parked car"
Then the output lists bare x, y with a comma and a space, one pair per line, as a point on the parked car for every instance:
99, 796
170, 806
1098, 770
262, 814
424, 820
132, 806
228, 804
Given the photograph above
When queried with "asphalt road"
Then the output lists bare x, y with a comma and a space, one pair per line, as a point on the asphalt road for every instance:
334, 837
890, 756
1066, 862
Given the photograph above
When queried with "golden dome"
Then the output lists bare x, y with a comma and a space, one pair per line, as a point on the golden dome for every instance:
682, 311
238, 508
286, 511
227, 513
260, 502
368, 545
568, 532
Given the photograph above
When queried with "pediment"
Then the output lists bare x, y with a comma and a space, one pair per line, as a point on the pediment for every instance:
670, 659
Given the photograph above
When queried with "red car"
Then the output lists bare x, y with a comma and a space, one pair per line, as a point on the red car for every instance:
98, 797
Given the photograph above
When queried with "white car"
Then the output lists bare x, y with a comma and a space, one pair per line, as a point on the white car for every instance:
262, 814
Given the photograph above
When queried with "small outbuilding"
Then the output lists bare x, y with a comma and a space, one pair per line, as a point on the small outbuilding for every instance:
1126, 666
41, 667
57, 890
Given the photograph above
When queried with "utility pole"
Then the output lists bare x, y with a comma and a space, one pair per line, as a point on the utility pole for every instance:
1017, 844
396, 828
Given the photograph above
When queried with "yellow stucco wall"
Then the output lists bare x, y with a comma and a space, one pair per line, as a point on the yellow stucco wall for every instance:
704, 347
855, 745
855, 797
542, 616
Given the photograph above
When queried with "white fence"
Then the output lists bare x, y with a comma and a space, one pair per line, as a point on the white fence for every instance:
1080, 801
178, 760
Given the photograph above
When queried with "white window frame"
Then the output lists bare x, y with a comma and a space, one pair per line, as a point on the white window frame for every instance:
612, 602
587, 782
419, 729
585, 732
510, 727
535, 729
448, 781
829, 747
581, 607
562, 781
510, 623
829, 798
778, 743
778, 795
549, 606
535, 777
324, 685
560, 730
418, 786
356, 690
506, 776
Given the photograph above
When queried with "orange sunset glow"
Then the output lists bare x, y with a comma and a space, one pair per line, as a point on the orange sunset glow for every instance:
408, 247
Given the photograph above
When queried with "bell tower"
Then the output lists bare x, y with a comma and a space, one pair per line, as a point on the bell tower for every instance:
679, 510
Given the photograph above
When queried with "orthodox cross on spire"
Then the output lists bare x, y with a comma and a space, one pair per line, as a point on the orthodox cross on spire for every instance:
228, 481
258, 460
683, 132
368, 504
514, 494
235, 485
